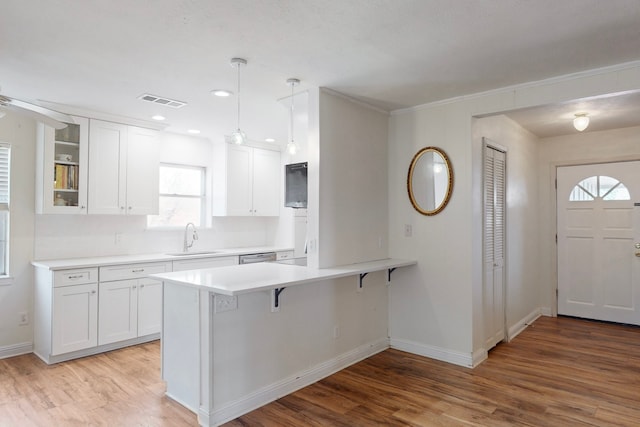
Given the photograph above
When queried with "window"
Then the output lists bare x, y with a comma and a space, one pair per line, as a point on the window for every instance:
5, 160
182, 196
595, 187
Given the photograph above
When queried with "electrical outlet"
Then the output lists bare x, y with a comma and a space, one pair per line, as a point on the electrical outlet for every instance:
408, 230
224, 303
118, 238
24, 318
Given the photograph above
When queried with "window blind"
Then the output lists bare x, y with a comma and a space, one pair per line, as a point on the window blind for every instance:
5, 155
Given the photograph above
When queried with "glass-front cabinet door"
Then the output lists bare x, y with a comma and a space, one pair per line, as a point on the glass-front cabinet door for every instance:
62, 170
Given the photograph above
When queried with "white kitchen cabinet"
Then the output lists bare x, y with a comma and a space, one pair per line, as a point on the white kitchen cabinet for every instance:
75, 318
149, 307
130, 303
193, 264
118, 311
84, 311
123, 165
246, 181
61, 168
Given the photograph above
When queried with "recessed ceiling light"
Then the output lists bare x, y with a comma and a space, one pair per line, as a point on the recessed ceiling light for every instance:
158, 117
193, 131
221, 92
270, 140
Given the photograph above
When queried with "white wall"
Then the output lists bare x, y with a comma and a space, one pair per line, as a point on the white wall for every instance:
16, 294
523, 288
579, 148
353, 196
435, 309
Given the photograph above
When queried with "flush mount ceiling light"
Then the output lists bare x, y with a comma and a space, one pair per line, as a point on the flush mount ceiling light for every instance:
269, 140
158, 117
238, 137
581, 121
193, 131
292, 147
221, 93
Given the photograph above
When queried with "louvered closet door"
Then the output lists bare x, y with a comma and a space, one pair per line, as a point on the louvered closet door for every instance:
494, 236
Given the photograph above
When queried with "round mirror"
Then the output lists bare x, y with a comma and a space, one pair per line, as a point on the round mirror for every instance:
430, 180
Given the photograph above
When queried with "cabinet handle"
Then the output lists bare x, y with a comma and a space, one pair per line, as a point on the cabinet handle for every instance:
82, 207
133, 287
140, 270
93, 292
77, 276
121, 208
130, 207
141, 286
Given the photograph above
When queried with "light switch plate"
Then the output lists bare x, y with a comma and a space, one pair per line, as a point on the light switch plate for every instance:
224, 303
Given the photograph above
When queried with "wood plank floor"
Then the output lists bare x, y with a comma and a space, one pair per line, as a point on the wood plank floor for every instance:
558, 372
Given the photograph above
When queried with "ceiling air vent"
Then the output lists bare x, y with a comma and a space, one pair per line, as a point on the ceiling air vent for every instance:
162, 101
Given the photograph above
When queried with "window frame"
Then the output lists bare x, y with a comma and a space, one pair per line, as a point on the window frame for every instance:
202, 196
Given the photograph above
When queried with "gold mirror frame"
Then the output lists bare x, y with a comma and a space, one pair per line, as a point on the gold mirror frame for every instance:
410, 185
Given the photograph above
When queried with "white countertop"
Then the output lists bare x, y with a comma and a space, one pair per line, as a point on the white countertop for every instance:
242, 279
64, 264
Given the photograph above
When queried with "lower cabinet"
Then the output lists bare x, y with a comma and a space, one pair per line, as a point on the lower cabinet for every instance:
75, 318
79, 312
129, 309
130, 303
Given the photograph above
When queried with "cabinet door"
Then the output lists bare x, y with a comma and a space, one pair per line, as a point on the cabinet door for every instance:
149, 306
266, 182
118, 311
107, 160
239, 181
62, 162
75, 318
143, 159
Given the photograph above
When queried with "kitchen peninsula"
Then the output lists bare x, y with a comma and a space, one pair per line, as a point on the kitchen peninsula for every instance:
235, 338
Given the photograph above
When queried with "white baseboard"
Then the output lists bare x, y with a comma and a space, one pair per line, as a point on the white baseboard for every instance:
521, 325
16, 350
288, 385
438, 353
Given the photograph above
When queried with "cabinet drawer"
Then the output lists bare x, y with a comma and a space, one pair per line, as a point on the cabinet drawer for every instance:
284, 255
132, 271
77, 276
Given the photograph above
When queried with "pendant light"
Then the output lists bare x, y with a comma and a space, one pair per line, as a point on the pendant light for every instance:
238, 137
292, 147
581, 121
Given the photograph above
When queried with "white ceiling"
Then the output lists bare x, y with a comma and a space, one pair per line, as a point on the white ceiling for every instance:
101, 55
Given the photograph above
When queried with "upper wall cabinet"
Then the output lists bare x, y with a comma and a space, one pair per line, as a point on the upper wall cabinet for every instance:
61, 172
246, 181
123, 165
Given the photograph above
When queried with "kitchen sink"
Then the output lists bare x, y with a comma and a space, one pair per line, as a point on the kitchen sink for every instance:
193, 253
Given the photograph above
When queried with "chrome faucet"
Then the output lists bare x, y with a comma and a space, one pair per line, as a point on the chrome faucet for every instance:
194, 237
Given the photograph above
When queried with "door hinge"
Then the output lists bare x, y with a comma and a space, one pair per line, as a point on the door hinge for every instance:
556, 238
556, 183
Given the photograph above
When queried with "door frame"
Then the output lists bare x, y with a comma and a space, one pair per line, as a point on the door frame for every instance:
488, 143
553, 180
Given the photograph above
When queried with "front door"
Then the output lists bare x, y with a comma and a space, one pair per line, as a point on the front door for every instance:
599, 241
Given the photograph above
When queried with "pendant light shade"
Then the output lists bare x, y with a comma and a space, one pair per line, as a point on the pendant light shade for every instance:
292, 147
581, 122
237, 136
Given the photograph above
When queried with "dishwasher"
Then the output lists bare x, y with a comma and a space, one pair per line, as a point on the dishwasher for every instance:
253, 258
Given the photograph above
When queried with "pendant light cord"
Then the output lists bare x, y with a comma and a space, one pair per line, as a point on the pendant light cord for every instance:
238, 65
